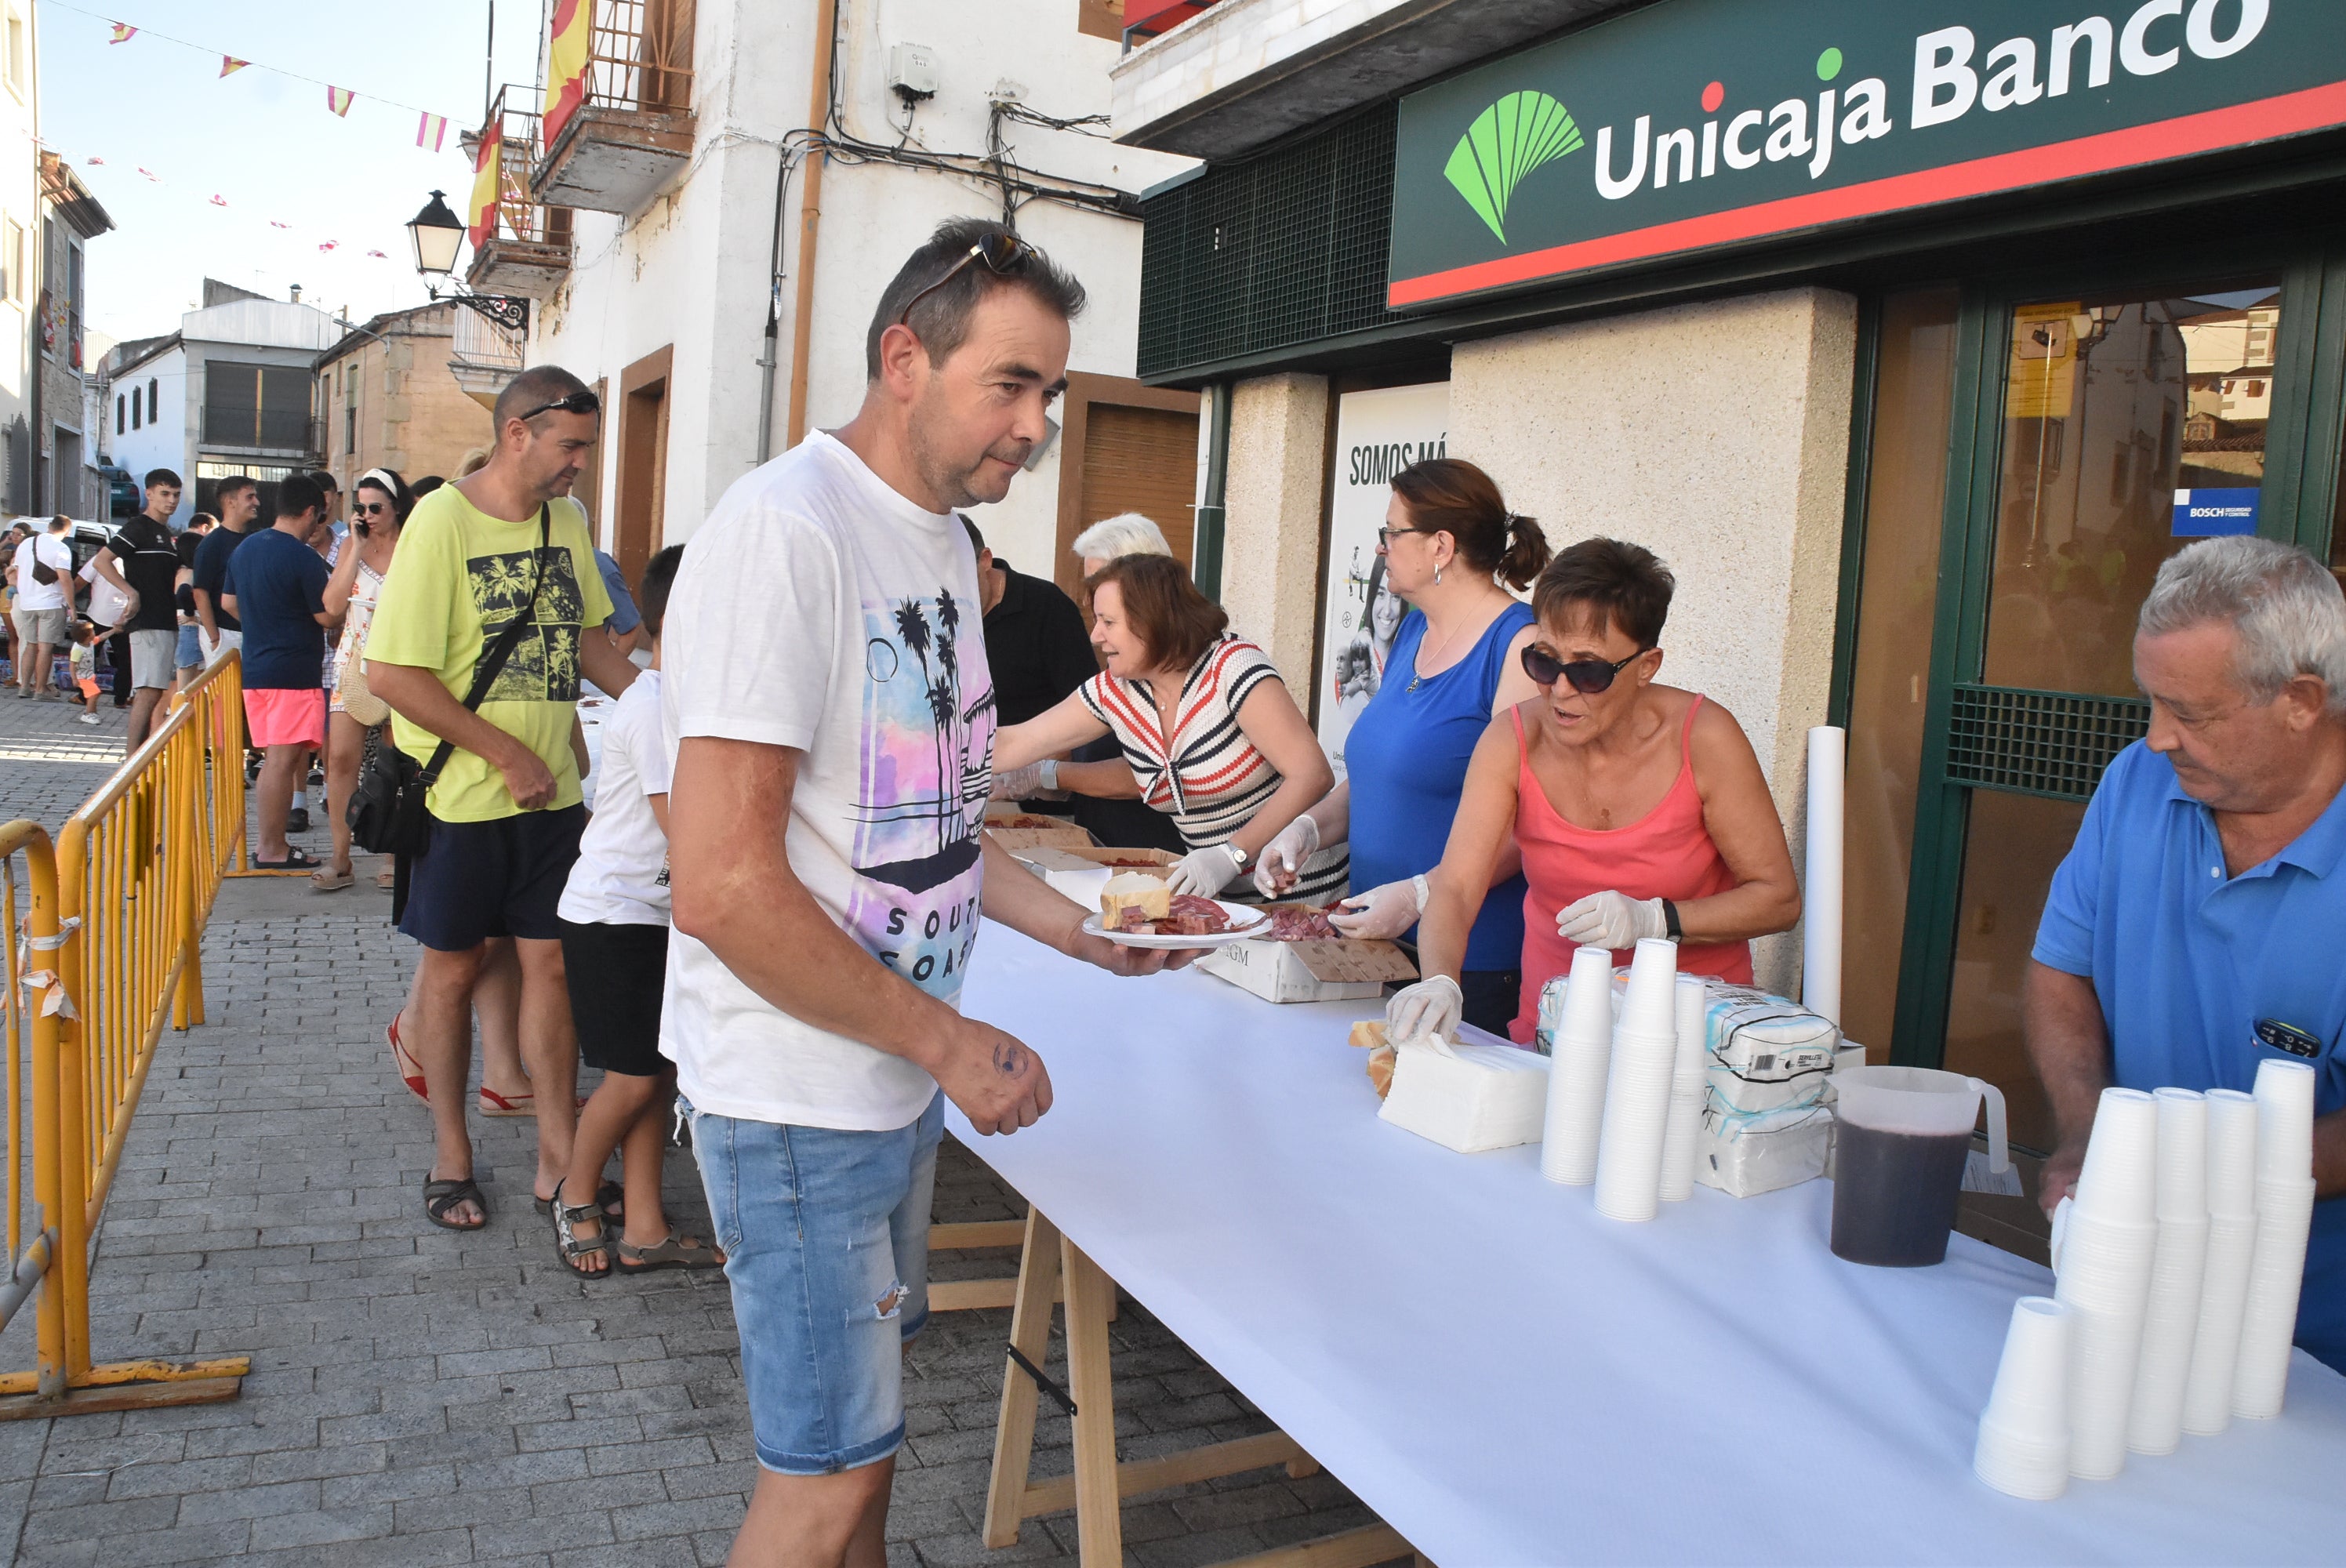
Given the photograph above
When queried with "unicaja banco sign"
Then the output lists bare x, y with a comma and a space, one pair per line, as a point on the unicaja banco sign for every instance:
1700, 123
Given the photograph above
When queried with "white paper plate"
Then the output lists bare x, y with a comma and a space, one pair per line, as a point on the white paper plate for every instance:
1245, 920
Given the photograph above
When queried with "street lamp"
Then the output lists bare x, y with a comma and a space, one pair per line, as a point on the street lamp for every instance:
436, 233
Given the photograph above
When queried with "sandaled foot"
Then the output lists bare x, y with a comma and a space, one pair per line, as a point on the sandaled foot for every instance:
492, 1104
444, 1196
410, 1071
674, 1252
331, 880
610, 1198
587, 1257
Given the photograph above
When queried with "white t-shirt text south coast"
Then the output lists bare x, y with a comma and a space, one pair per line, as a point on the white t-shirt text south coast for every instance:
819, 610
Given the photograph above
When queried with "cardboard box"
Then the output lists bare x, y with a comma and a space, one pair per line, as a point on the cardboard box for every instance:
1080, 870
1337, 970
1066, 836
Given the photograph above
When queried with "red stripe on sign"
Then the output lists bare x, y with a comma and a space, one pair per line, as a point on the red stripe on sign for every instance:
2292, 114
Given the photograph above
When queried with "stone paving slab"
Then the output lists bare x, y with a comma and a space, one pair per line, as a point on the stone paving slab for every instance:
419, 1396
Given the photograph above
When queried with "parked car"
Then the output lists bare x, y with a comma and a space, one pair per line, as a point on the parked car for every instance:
121, 490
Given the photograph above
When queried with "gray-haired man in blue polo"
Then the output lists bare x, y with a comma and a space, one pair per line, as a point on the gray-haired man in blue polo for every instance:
2194, 930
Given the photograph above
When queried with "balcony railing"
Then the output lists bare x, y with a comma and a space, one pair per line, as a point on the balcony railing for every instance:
484, 357
526, 249
640, 56
632, 132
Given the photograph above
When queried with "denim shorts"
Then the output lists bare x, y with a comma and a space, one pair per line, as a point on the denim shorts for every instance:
826, 1239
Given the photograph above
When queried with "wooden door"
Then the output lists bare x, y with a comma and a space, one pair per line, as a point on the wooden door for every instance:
642, 481
1129, 448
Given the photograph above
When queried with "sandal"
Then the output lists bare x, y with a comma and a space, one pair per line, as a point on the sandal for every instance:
444, 1194
493, 1103
410, 1071
330, 880
608, 1197
674, 1252
296, 859
568, 1248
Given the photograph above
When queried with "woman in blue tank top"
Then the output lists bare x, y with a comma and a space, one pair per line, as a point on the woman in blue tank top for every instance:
1448, 542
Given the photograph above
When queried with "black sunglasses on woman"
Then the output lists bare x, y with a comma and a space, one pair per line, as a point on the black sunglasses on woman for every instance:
1587, 677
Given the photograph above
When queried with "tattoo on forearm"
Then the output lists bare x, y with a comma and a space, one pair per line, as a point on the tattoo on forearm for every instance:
1010, 1058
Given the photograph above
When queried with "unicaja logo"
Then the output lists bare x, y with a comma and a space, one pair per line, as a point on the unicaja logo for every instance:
1507, 142
1953, 75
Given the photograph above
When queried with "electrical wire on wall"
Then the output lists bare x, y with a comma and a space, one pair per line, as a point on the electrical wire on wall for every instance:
1016, 184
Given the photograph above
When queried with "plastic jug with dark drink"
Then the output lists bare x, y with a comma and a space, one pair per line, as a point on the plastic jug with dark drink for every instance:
1901, 1137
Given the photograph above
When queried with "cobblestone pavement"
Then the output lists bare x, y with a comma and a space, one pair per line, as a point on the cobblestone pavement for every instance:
419, 1396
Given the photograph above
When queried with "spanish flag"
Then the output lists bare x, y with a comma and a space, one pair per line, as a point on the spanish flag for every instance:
481, 212
122, 33
337, 99
567, 38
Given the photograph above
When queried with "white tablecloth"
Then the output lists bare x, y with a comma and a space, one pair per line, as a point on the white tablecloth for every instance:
1508, 1378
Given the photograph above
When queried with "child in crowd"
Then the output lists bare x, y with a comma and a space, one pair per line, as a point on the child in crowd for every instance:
615, 922
82, 657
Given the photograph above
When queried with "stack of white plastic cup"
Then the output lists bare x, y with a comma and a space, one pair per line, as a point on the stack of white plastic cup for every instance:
2284, 1223
2023, 1433
2231, 1246
1638, 1088
1688, 1079
2104, 1274
2155, 1421
1580, 1056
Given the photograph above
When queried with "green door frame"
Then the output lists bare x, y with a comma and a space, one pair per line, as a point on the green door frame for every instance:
2303, 447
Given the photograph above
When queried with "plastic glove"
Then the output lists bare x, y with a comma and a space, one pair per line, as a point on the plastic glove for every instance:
1426, 1013
1381, 912
1018, 784
1284, 856
1205, 872
1611, 921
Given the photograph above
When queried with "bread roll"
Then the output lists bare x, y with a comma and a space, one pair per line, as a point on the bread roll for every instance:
1367, 1033
1152, 896
1380, 1069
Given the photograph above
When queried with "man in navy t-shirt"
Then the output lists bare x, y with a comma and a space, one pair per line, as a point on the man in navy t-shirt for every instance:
275, 585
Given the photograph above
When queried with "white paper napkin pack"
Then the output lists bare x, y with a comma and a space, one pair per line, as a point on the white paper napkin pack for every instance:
1482, 1097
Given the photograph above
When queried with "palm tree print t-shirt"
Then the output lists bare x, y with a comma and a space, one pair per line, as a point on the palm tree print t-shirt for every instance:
819, 610
458, 579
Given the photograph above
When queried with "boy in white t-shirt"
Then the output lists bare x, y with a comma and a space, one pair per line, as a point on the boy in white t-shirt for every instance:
613, 919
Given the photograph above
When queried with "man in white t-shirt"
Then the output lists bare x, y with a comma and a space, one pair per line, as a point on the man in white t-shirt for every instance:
41, 609
828, 693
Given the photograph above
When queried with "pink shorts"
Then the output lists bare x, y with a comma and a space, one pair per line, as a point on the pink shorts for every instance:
279, 718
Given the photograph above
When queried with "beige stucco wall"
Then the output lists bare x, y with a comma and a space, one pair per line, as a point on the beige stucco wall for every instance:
1271, 541
1716, 435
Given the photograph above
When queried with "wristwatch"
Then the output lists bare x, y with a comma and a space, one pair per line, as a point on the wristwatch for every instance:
1241, 856
1049, 773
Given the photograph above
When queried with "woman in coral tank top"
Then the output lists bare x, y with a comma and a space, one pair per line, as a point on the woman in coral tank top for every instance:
1640, 810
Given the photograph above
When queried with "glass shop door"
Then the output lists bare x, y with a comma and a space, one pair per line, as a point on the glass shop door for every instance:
2096, 431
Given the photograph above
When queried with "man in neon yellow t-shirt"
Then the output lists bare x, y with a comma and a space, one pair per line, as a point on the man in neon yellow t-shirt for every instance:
506, 813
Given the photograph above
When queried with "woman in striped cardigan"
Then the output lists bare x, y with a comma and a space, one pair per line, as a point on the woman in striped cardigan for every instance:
1213, 737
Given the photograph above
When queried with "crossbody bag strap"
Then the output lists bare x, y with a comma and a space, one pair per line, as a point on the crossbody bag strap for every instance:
493, 657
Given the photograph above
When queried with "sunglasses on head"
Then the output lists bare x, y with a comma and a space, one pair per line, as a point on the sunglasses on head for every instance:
1003, 253
583, 400
1587, 676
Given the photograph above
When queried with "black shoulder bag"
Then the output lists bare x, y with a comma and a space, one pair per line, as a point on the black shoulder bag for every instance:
387, 814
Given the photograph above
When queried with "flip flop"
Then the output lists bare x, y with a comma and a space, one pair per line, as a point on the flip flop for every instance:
674, 1252
410, 1071
331, 880
493, 1103
443, 1194
296, 859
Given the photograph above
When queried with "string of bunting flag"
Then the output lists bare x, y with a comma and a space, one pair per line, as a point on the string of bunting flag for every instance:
430, 129
216, 199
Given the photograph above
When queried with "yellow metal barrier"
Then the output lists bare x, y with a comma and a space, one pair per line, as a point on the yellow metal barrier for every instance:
121, 908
